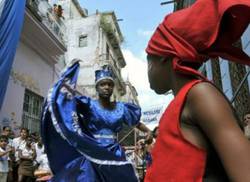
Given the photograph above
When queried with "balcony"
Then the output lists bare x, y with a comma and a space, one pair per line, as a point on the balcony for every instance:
109, 25
109, 60
46, 36
44, 12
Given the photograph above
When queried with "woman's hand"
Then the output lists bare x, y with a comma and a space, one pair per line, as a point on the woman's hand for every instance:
142, 127
67, 88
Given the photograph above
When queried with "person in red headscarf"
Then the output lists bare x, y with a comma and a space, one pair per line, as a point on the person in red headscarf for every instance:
199, 136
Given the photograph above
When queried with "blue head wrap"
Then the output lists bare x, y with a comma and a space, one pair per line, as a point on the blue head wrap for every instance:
105, 73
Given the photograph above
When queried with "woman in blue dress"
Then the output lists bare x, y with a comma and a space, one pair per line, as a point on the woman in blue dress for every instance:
79, 133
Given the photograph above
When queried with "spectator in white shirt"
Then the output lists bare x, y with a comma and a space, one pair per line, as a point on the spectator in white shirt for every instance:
26, 155
43, 173
39, 148
18, 144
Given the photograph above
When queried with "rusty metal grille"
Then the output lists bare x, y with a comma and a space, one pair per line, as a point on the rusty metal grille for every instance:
32, 107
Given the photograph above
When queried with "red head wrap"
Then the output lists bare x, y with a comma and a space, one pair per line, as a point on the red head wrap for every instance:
206, 29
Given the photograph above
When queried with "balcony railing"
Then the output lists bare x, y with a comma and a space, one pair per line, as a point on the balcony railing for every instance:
44, 12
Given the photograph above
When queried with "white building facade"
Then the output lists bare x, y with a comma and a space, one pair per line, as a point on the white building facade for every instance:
96, 40
34, 69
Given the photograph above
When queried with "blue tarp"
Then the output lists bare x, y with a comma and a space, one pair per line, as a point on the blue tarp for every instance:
11, 21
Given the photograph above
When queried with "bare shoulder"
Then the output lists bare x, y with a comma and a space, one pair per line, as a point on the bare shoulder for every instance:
204, 90
213, 113
208, 107
204, 98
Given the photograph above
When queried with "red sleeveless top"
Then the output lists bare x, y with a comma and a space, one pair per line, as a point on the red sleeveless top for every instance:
174, 159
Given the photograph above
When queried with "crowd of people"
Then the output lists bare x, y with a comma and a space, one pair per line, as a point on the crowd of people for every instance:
22, 158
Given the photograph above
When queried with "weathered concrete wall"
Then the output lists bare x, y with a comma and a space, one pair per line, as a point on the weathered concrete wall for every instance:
29, 71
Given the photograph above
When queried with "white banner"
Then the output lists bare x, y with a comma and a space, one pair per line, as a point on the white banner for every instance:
151, 117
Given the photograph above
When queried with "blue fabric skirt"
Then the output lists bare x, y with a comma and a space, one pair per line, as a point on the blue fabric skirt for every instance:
74, 154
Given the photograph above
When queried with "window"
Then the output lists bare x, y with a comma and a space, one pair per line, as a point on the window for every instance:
83, 41
32, 107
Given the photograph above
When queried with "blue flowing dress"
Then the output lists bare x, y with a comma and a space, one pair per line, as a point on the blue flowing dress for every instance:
79, 135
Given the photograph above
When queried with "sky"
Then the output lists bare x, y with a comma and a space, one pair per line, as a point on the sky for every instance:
139, 20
